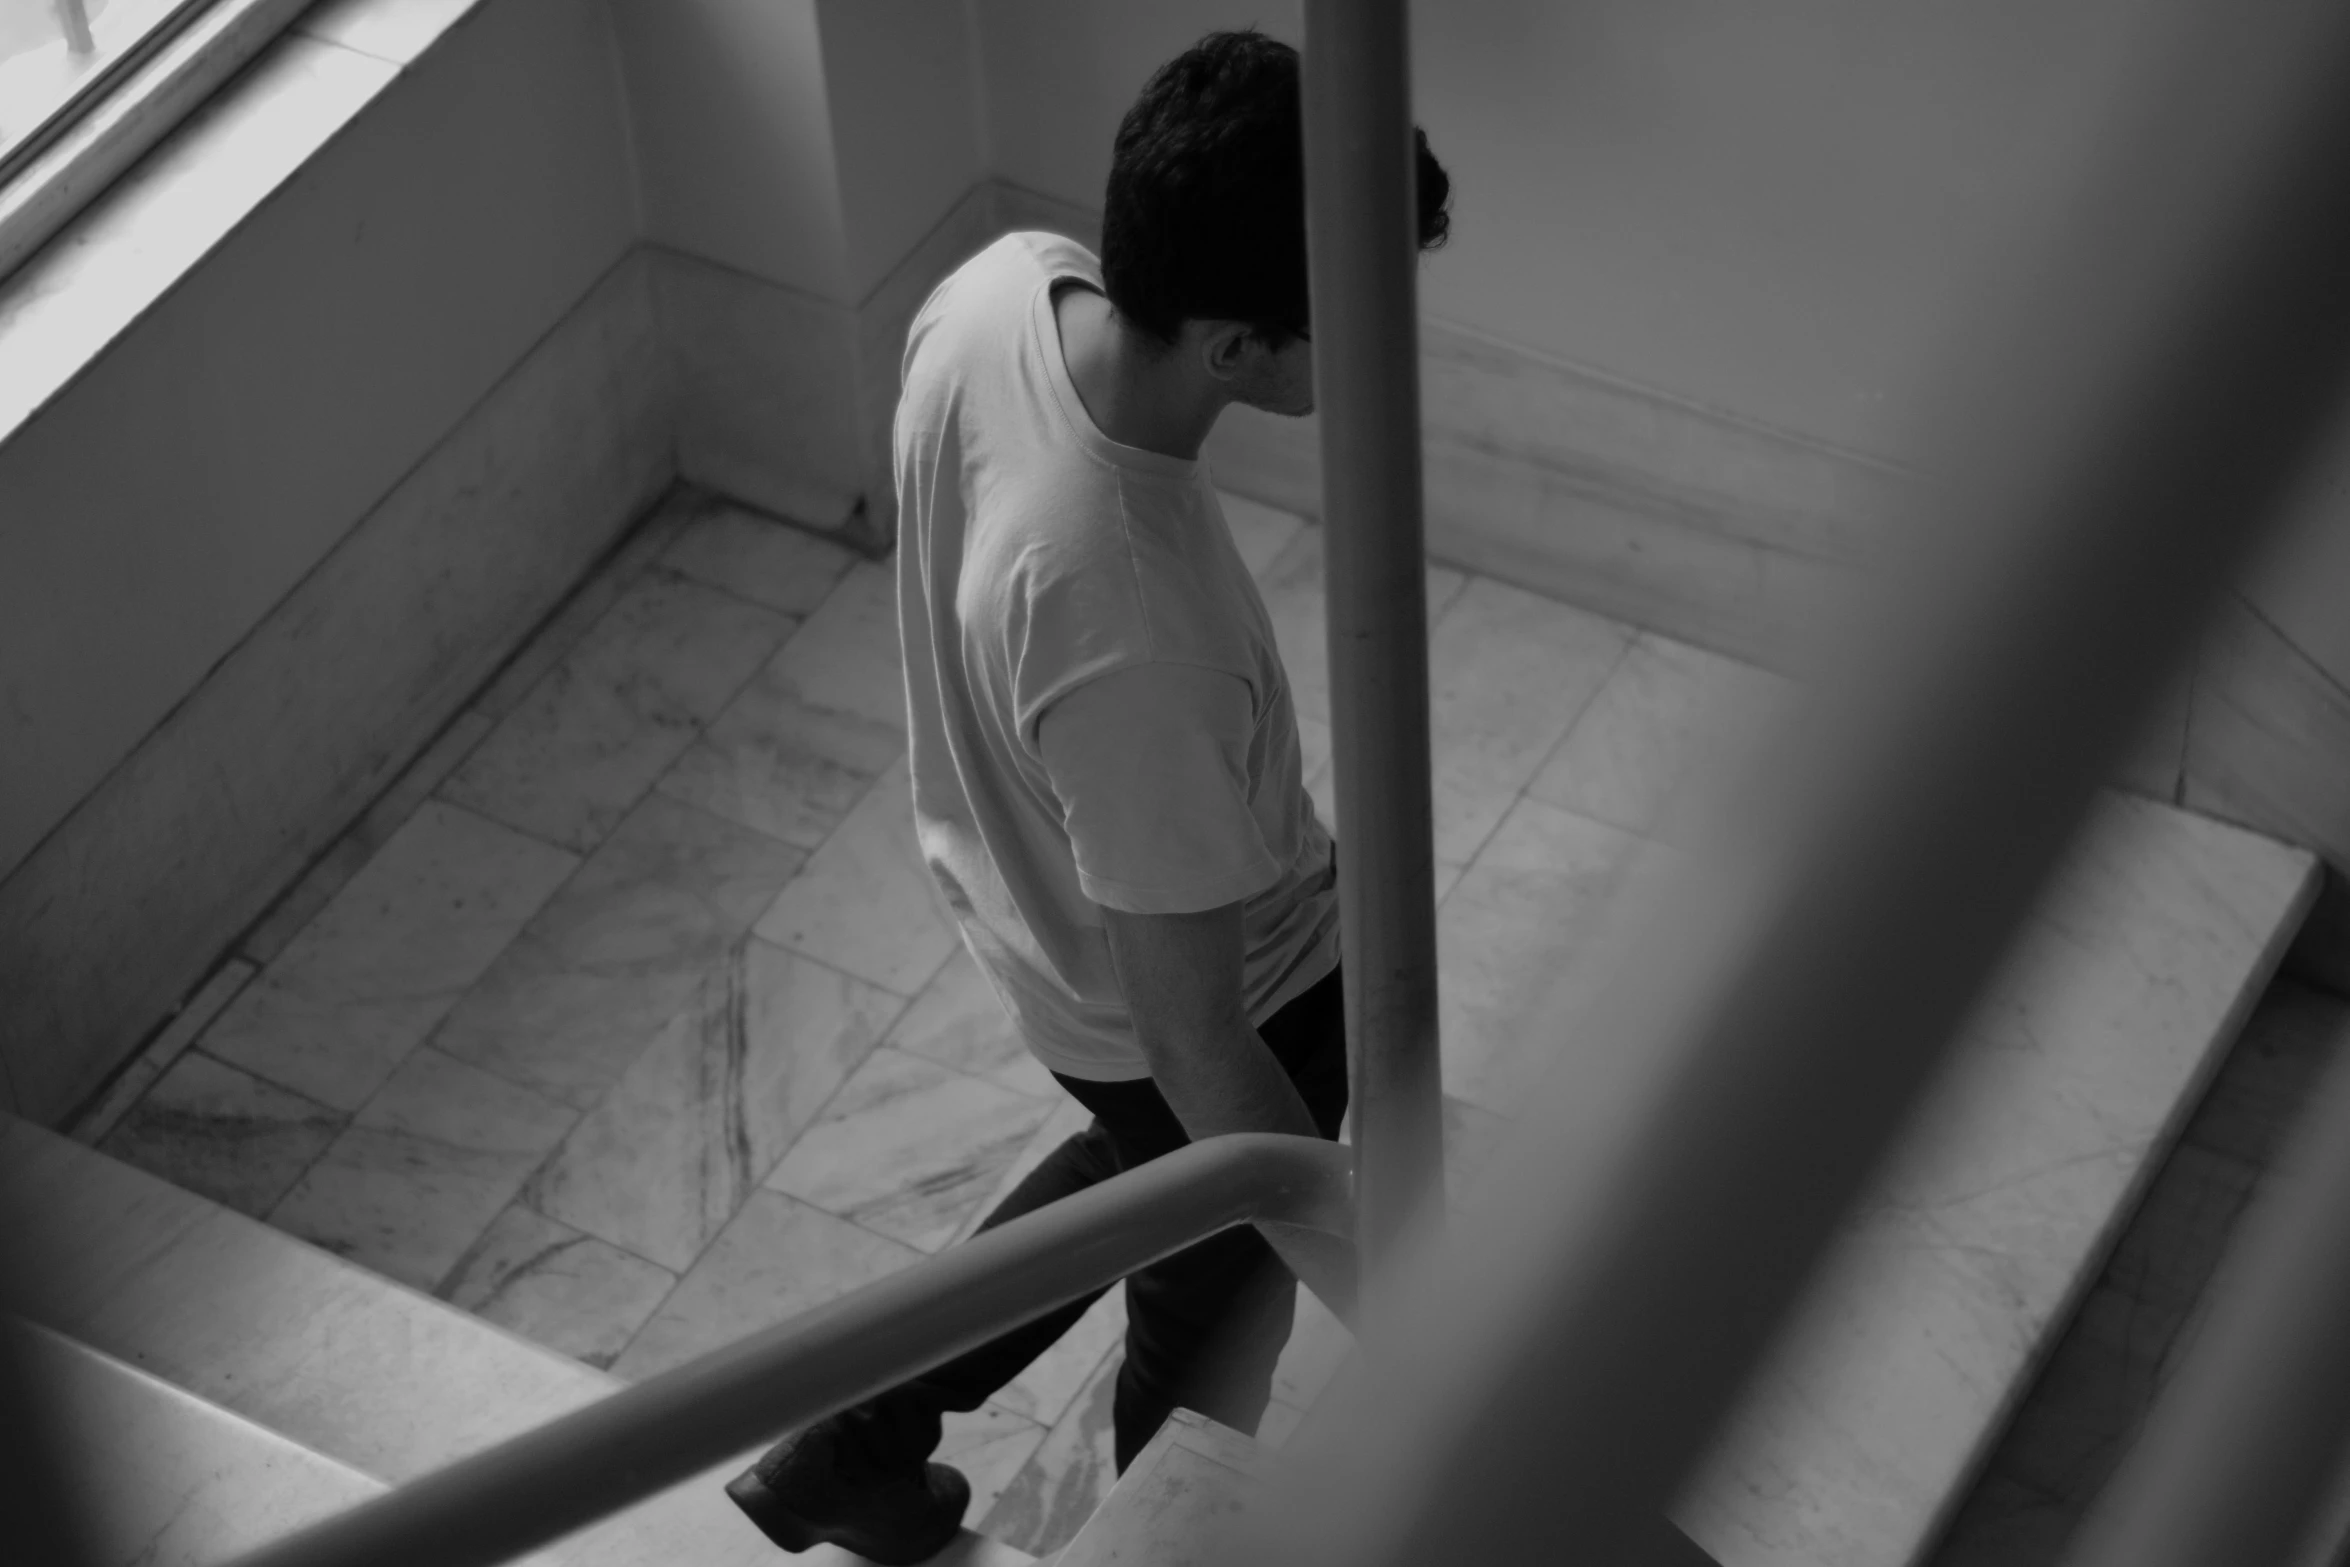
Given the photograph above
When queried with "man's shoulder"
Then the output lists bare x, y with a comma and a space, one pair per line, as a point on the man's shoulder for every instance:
1015, 262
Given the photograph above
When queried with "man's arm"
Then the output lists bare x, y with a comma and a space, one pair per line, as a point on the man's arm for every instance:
1180, 975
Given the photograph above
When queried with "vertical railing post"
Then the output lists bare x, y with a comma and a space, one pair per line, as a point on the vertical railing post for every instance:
1363, 249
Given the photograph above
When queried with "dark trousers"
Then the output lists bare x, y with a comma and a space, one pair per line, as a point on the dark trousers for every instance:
1203, 1327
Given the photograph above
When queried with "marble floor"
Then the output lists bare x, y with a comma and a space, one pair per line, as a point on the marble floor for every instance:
628, 1019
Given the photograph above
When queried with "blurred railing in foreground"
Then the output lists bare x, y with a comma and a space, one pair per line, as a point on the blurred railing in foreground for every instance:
2126, 410
2129, 409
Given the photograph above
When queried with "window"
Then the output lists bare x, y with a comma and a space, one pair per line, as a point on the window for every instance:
57, 55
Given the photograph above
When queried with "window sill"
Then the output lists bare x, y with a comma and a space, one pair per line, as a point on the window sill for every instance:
215, 154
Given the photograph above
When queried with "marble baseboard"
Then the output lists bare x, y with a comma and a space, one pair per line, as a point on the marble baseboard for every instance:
131, 901
1612, 497
163, 1051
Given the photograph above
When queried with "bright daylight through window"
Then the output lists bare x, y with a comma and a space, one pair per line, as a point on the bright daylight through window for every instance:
57, 55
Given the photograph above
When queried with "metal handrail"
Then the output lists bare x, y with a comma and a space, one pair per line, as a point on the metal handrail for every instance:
2127, 411
578, 1468
1363, 255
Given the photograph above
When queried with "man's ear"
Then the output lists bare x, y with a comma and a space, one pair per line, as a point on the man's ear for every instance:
1224, 348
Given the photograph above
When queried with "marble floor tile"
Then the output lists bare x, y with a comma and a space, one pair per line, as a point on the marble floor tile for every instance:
1053, 1494
800, 745
1259, 532
804, 740
349, 854
957, 1021
990, 1446
845, 658
369, 978
613, 956
661, 1165
223, 1134
866, 903
558, 1287
163, 1051
777, 1259
909, 1148
1044, 1391
1667, 710
423, 1170
1504, 938
1508, 671
758, 558
1292, 589
579, 614
605, 723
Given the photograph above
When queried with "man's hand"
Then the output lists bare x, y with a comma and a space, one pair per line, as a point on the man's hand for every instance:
1180, 975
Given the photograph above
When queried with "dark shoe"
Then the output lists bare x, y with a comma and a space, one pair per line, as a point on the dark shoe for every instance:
798, 1497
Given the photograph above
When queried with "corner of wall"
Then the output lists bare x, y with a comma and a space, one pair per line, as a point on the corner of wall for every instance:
129, 902
630, 136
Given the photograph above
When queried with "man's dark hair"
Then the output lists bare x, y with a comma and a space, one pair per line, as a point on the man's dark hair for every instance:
1206, 215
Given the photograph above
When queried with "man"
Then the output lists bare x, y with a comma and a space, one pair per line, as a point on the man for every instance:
1106, 774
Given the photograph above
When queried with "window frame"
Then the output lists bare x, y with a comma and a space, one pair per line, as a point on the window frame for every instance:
136, 102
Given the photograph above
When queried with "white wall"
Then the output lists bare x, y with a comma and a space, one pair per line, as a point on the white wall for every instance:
153, 513
906, 124
1057, 75
734, 139
1766, 209
809, 143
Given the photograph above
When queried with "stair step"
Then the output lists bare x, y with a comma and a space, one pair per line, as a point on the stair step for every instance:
1166, 1509
1864, 1431
2129, 988
1191, 1481
377, 1377
167, 1479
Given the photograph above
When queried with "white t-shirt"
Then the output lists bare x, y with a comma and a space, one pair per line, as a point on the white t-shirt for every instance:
1096, 706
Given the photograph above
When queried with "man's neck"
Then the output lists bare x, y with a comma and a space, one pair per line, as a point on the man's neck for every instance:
1134, 398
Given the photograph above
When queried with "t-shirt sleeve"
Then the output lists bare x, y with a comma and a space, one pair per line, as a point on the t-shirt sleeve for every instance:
1151, 766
